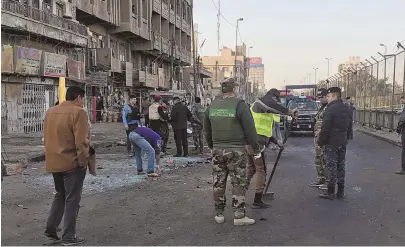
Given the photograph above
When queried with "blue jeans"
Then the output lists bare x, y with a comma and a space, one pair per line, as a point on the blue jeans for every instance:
142, 145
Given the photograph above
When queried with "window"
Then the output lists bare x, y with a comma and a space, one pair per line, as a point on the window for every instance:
122, 52
59, 9
172, 5
113, 48
184, 11
178, 7
135, 7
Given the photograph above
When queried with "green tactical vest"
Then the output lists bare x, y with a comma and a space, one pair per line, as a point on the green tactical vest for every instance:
226, 129
201, 112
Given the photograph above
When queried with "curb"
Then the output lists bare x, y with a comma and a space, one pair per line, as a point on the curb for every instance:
379, 137
41, 157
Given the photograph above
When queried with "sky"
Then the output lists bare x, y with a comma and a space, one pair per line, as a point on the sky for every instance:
295, 36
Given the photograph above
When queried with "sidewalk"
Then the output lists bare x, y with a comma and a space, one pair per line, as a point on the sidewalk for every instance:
29, 147
390, 137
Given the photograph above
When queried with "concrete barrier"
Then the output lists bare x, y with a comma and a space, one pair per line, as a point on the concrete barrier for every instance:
378, 118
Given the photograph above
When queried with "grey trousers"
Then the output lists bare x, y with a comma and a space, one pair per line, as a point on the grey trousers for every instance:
403, 150
68, 186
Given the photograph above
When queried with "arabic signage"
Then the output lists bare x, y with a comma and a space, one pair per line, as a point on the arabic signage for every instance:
7, 59
99, 77
255, 60
76, 70
27, 60
128, 74
53, 65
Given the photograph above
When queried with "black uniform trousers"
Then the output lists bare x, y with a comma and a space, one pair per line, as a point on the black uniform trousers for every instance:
180, 137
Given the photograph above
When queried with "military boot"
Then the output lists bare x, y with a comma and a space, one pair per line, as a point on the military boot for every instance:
340, 191
243, 221
258, 202
329, 194
220, 218
319, 183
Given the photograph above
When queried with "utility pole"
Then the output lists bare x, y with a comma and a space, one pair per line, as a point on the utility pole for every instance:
315, 69
236, 42
328, 58
194, 56
218, 25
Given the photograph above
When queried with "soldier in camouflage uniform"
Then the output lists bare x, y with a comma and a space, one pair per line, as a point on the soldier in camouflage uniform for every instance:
228, 127
320, 162
198, 113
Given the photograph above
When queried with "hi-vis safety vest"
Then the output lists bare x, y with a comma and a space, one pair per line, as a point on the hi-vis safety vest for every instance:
276, 118
263, 123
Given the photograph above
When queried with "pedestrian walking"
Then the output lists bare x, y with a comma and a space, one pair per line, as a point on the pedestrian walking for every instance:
400, 131
179, 116
145, 110
320, 162
334, 135
67, 152
198, 113
131, 119
147, 141
265, 112
228, 126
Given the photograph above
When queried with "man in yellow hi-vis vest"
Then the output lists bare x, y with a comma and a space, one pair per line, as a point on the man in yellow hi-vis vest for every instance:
265, 111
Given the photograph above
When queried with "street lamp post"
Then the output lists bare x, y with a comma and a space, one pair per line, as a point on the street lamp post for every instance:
328, 58
236, 42
309, 78
315, 69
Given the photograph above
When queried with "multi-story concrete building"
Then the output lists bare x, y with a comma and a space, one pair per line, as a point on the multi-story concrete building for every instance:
106, 46
256, 72
352, 63
223, 66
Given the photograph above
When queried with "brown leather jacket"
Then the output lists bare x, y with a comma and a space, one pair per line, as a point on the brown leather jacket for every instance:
66, 137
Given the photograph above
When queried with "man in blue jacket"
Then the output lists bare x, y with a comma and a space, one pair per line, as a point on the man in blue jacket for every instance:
147, 141
131, 119
334, 135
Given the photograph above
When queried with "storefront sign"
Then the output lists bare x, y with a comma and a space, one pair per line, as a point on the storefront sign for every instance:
7, 59
76, 70
27, 60
99, 77
53, 65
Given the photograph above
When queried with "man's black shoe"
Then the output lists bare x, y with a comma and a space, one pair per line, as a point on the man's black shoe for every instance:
330, 194
186, 155
52, 236
258, 202
72, 242
401, 172
341, 191
177, 155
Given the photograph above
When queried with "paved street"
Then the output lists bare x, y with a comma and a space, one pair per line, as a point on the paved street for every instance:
119, 208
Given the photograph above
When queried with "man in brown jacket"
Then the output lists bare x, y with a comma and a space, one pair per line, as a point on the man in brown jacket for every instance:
66, 139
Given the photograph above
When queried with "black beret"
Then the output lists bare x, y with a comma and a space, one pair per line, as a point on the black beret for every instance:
334, 90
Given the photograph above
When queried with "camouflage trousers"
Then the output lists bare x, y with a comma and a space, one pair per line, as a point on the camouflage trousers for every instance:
230, 162
335, 159
320, 162
198, 138
260, 170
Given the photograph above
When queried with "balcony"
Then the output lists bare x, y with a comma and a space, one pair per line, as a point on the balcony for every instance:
165, 46
157, 6
172, 16
144, 30
165, 11
26, 18
177, 53
106, 60
96, 11
157, 41
185, 27
178, 21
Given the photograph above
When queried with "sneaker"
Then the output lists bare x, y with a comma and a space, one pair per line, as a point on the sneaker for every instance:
243, 221
220, 218
52, 236
259, 205
401, 172
323, 187
153, 175
141, 173
327, 195
72, 242
316, 184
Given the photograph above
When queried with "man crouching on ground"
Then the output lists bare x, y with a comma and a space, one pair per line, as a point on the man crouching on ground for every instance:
148, 141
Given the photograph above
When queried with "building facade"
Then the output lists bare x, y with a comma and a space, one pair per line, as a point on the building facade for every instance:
256, 73
110, 47
223, 66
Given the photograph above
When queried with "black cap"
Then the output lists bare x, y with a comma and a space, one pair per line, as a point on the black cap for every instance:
228, 85
274, 92
334, 90
322, 92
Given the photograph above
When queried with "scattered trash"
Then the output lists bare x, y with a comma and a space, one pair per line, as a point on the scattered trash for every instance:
198, 187
262, 219
100, 167
209, 182
19, 205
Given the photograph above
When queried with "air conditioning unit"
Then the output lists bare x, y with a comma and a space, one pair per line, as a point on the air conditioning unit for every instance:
67, 12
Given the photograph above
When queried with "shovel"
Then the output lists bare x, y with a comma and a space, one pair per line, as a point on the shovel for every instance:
270, 195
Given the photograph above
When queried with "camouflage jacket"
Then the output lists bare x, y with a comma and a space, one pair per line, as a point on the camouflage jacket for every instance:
196, 115
319, 120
